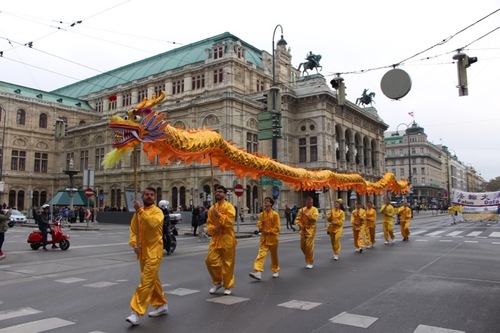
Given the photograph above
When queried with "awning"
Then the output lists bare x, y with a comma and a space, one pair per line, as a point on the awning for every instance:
62, 199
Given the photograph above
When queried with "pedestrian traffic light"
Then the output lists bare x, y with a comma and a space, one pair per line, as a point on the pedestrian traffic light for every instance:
338, 84
463, 62
267, 101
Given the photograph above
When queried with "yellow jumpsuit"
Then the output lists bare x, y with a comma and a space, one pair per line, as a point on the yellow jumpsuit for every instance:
269, 226
336, 216
388, 213
307, 224
146, 230
404, 219
358, 220
222, 249
371, 216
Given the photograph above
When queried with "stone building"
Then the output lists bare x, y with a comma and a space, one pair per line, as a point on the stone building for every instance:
219, 83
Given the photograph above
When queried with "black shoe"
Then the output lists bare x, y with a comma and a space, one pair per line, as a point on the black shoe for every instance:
44, 248
55, 246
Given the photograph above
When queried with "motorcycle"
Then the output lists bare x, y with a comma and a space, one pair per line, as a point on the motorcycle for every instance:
169, 233
35, 238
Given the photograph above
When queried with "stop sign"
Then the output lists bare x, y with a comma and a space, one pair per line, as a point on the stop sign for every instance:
238, 190
89, 192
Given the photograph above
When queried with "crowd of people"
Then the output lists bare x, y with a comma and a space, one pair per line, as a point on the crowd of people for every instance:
218, 221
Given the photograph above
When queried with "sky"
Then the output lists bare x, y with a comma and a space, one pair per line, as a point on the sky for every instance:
360, 39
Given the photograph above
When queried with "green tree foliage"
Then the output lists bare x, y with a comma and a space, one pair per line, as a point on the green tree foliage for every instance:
493, 185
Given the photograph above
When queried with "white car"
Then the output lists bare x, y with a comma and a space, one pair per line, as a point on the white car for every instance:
16, 217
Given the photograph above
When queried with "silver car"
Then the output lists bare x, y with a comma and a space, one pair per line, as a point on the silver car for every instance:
16, 217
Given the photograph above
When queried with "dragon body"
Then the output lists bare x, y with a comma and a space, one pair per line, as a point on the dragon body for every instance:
143, 126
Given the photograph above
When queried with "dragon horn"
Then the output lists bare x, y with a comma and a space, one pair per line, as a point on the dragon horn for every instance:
151, 102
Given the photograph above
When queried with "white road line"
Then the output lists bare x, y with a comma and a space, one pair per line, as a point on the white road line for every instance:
353, 320
454, 233
37, 326
17, 313
474, 234
435, 233
495, 234
434, 329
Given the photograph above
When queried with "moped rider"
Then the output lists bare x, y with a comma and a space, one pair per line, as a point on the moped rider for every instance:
44, 225
163, 204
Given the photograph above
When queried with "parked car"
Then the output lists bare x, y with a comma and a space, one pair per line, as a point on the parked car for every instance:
15, 217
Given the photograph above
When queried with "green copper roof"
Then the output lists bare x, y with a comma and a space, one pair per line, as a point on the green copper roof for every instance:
44, 96
179, 57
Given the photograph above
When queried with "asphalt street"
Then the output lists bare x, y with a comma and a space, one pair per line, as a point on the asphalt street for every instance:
445, 279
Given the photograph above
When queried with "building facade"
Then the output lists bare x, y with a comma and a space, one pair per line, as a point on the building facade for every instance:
218, 83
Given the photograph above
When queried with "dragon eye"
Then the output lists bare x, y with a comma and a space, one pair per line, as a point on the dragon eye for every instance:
125, 117
137, 117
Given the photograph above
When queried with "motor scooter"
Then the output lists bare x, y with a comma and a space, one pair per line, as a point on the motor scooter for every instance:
35, 238
169, 233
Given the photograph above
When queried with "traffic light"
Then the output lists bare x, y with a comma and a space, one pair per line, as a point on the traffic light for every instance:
267, 101
338, 84
463, 62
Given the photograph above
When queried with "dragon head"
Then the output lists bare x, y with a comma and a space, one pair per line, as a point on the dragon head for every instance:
140, 124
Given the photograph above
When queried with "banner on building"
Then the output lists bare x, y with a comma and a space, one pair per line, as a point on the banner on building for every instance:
478, 205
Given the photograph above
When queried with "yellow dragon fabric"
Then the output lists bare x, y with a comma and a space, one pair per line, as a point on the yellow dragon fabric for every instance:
143, 126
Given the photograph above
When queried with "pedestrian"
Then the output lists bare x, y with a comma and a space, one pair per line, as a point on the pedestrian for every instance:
4, 227
269, 227
44, 226
194, 220
460, 209
336, 217
306, 219
498, 212
288, 216
358, 221
452, 211
202, 221
146, 231
371, 217
404, 220
388, 213
294, 212
222, 248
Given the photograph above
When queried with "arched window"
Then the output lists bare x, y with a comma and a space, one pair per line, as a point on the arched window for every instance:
174, 203
21, 117
42, 122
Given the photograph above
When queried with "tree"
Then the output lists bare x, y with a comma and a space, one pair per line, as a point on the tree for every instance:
493, 185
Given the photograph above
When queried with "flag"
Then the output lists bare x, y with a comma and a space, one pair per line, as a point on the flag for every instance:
411, 114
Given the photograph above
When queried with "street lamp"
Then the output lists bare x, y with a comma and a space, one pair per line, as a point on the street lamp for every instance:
448, 171
274, 89
409, 149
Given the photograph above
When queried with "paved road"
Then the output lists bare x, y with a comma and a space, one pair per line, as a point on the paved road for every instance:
446, 279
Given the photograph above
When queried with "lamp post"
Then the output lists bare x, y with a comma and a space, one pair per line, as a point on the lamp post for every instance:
448, 171
274, 89
409, 151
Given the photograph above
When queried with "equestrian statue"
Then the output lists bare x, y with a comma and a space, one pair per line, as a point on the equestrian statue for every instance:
366, 98
311, 63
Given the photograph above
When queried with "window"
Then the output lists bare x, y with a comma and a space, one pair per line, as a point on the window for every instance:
260, 85
18, 161
141, 94
302, 150
84, 160
401, 152
313, 147
198, 82
21, 117
218, 77
402, 172
126, 99
42, 121
252, 143
218, 52
422, 171
112, 102
99, 156
159, 88
70, 161
41, 162
177, 86
99, 106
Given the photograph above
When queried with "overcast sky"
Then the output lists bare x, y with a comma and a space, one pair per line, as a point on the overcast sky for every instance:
361, 39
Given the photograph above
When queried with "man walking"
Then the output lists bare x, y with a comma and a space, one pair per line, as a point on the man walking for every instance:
146, 239
306, 220
358, 220
404, 218
222, 249
388, 213
269, 227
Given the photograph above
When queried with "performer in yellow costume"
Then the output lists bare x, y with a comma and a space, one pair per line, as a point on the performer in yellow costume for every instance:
336, 217
269, 226
371, 216
358, 221
222, 249
405, 216
146, 239
388, 213
306, 219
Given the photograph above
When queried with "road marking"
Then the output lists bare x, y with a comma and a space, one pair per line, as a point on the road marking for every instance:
300, 305
435, 233
228, 300
17, 313
181, 291
353, 320
467, 241
474, 234
454, 233
495, 234
70, 280
418, 232
446, 240
42, 325
100, 284
434, 329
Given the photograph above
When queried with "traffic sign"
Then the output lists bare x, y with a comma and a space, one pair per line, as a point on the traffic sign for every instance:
89, 192
238, 190
276, 192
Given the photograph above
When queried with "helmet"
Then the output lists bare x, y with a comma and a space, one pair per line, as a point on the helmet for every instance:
340, 200
163, 204
45, 206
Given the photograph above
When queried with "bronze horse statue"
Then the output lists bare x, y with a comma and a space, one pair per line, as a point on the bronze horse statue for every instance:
311, 63
366, 98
